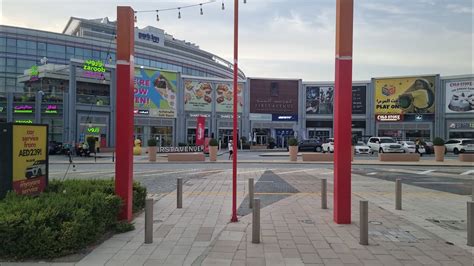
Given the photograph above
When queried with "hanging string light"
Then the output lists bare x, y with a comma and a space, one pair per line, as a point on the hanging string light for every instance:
201, 11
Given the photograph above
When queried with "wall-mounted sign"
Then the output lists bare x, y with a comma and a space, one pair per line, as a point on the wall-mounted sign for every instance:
156, 90
461, 125
24, 121
389, 118
260, 117
24, 158
180, 149
193, 115
94, 69
197, 96
274, 96
460, 96
51, 109
25, 109
93, 130
148, 37
227, 116
410, 95
141, 112
34, 73
276, 117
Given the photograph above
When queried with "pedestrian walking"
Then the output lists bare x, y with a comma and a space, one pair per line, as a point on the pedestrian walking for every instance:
231, 149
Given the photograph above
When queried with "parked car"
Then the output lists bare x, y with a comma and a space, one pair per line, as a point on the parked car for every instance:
361, 148
328, 145
383, 144
310, 145
429, 149
38, 168
55, 147
410, 147
457, 146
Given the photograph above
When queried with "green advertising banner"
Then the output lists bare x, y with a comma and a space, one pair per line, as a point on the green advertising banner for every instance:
224, 97
198, 96
155, 93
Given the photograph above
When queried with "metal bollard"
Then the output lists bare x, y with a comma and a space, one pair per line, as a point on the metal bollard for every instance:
472, 190
251, 190
256, 221
324, 196
179, 190
398, 194
470, 223
364, 222
148, 221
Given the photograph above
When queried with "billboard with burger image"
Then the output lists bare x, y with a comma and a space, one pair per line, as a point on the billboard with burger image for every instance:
225, 97
198, 96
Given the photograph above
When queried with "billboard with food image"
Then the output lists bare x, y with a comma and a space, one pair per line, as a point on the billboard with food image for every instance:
155, 93
197, 96
224, 97
405, 96
460, 96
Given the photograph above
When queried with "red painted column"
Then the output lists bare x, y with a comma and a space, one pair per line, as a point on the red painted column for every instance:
235, 125
343, 112
124, 109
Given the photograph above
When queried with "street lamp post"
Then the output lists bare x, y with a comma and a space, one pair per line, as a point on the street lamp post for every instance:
235, 126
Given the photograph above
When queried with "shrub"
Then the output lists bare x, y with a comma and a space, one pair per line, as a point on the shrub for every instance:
213, 142
292, 142
151, 142
438, 142
67, 217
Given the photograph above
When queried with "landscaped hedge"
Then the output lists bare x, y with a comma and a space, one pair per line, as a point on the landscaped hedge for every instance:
66, 218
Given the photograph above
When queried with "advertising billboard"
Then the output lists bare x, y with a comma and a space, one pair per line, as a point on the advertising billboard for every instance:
24, 158
320, 99
407, 98
460, 96
198, 96
225, 97
155, 93
274, 96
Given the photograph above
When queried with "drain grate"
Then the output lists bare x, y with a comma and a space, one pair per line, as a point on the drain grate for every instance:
458, 225
307, 221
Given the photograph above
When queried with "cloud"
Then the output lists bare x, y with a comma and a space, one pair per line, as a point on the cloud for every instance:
460, 9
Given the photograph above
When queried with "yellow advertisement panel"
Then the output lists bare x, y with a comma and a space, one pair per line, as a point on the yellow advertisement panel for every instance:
410, 95
30, 165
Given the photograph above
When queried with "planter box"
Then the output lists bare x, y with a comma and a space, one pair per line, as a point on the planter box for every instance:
399, 157
152, 153
318, 157
186, 157
212, 153
466, 157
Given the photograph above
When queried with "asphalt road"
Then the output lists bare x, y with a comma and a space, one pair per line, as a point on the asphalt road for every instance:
161, 178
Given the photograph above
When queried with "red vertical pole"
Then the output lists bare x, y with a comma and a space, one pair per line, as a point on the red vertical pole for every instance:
343, 112
124, 109
234, 133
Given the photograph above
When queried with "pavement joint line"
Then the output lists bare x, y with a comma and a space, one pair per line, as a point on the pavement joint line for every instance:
426, 172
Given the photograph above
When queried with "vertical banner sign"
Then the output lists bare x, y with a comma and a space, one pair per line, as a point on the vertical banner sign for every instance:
200, 127
30, 165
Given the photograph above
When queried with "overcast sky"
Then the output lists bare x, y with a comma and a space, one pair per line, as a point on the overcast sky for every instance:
294, 38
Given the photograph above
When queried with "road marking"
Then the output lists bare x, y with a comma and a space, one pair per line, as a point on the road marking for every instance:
372, 173
426, 172
468, 172
438, 183
296, 171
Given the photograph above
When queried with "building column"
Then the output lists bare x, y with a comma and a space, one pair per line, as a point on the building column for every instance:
72, 123
9, 107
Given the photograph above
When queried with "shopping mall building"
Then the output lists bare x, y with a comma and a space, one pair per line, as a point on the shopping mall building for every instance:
67, 81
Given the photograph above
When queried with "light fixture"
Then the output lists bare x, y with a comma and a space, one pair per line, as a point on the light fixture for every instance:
245, 1
135, 19
157, 16
223, 7
179, 12
201, 9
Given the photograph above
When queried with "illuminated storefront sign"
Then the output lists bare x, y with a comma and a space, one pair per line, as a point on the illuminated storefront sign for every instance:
25, 121
149, 37
51, 109
24, 109
34, 73
94, 69
95, 130
389, 118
